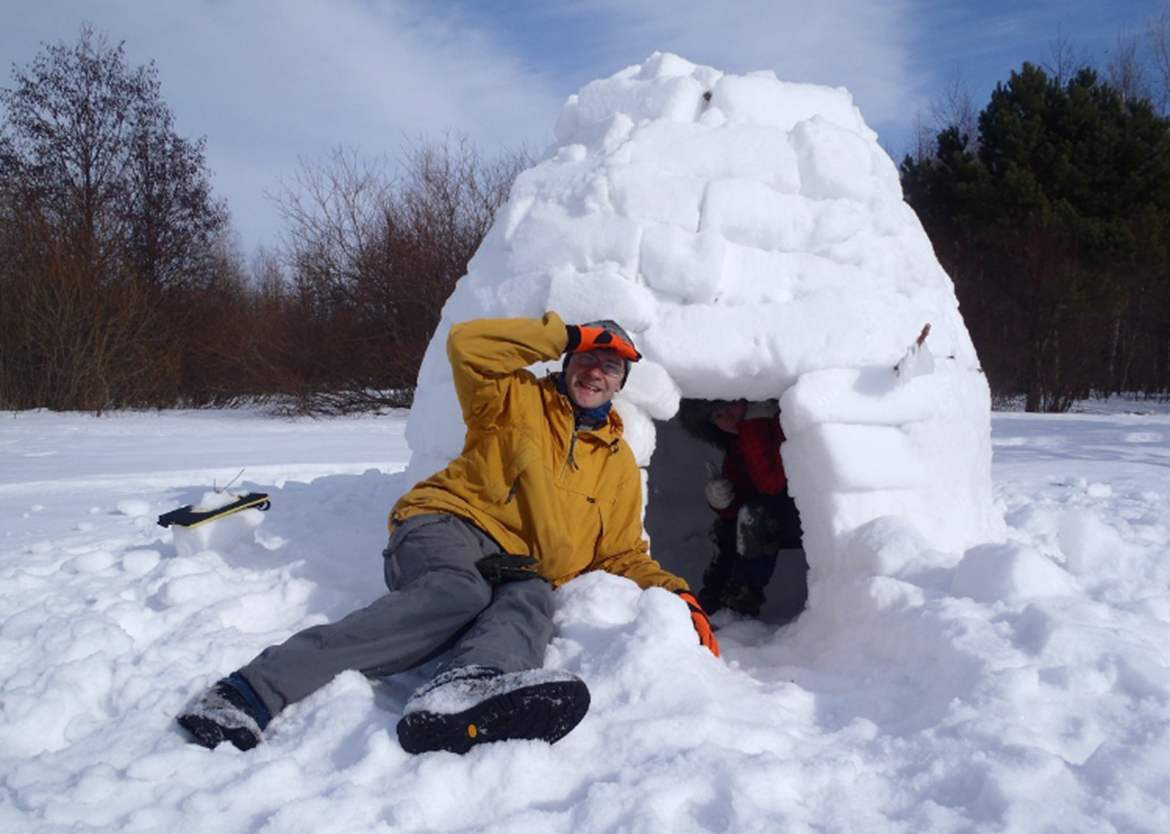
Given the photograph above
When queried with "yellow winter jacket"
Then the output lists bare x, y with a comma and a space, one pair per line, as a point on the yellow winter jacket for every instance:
527, 476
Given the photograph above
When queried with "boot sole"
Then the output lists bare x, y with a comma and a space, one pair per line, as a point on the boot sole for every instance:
545, 711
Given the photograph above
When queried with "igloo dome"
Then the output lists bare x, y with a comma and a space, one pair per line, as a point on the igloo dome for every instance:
752, 237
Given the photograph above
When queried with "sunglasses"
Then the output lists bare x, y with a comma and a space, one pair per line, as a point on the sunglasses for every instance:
609, 367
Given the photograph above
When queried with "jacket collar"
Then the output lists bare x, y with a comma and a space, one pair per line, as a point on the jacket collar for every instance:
601, 419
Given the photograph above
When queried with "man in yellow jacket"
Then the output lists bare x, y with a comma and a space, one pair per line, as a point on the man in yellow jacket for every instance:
543, 491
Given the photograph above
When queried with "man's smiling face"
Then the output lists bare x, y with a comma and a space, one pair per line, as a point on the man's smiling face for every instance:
592, 378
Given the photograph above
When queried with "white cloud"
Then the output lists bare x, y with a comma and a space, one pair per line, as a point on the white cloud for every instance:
270, 82
863, 46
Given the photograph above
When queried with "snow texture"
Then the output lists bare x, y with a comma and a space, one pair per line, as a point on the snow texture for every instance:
1023, 689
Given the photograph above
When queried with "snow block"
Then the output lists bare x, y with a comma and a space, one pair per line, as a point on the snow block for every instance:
675, 262
860, 458
221, 535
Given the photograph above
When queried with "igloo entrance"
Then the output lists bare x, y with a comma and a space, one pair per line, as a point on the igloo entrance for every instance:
679, 521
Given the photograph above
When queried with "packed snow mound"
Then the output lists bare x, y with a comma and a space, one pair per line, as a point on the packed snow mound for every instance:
751, 236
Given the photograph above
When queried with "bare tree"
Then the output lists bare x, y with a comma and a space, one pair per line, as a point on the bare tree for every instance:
1158, 39
89, 141
1065, 59
922, 140
445, 207
109, 235
74, 337
1124, 70
334, 218
956, 108
373, 258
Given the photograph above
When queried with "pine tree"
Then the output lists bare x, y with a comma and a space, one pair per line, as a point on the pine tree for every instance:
1055, 232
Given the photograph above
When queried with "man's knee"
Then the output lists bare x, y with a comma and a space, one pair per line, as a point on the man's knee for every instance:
533, 597
455, 588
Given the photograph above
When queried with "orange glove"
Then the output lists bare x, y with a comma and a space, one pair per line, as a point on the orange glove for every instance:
591, 337
701, 622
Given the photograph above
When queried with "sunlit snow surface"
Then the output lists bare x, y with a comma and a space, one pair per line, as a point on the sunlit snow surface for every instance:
1024, 689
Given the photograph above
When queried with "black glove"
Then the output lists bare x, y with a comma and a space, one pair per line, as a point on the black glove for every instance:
507, 567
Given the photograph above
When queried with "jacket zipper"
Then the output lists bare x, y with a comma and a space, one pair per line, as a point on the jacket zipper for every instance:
570, 460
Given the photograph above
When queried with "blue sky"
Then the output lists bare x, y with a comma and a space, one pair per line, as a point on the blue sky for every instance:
273, 82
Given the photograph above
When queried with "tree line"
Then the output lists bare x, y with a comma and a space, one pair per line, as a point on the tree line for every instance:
121, 285
1050, 210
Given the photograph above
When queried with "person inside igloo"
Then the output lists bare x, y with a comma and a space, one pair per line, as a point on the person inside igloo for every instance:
756, 519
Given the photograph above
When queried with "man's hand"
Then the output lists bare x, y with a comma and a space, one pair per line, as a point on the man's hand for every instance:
719, 491
586, 337
701, 622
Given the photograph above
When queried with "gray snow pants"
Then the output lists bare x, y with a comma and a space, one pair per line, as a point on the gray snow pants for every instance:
437, 601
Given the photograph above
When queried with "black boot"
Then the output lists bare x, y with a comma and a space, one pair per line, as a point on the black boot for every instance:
228, 711
473, 705
722, 537
709, 599
743, 599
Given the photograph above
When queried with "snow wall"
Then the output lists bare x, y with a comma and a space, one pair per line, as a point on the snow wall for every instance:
751, 236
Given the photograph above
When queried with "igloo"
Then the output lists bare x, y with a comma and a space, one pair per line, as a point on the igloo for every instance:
752, 237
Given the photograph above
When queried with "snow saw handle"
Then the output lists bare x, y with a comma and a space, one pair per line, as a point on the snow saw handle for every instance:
190, 517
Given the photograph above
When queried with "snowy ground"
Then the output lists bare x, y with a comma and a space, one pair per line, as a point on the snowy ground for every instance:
1025, 689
